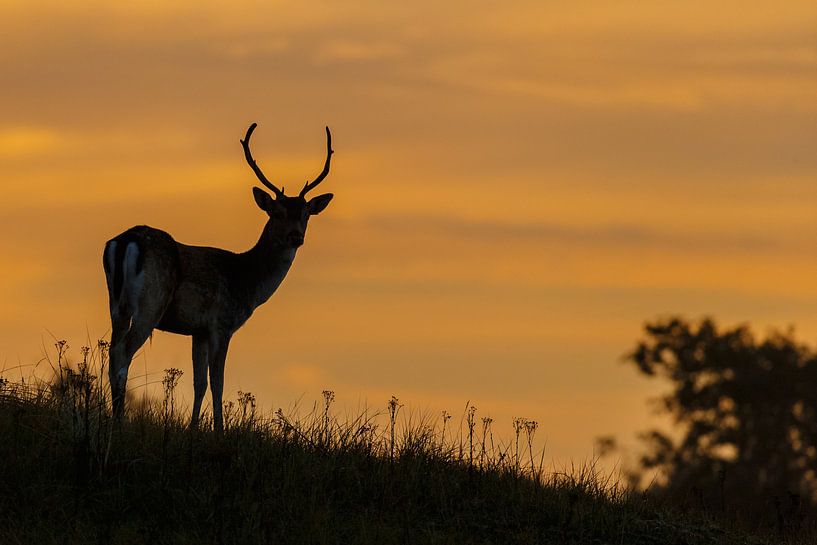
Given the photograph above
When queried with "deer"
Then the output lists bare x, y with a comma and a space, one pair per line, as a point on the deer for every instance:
155, 282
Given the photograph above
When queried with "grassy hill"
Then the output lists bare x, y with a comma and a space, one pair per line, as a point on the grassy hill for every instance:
68, 474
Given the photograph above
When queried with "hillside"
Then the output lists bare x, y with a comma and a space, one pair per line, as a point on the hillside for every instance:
71, 475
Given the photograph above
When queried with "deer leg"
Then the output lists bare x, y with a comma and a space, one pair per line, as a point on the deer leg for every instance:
121, 357
218, 356
120, 327
200, 357
118, 360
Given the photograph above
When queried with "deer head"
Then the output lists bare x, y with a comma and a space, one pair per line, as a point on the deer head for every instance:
288, 215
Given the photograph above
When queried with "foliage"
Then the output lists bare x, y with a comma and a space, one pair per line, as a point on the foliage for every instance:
746, 416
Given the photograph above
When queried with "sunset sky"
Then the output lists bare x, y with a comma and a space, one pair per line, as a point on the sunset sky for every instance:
518, 187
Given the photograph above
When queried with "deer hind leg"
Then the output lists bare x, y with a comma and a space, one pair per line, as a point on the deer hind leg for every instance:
115, 259
137, 305
122, 357
200, 364
118, 361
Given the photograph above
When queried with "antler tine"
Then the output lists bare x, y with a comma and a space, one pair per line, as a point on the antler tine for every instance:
329, 151
254, 166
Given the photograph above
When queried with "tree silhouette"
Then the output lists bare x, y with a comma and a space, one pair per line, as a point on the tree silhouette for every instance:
746, 417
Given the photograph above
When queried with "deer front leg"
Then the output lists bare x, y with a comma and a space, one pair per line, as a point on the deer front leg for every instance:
218, 356
200, 357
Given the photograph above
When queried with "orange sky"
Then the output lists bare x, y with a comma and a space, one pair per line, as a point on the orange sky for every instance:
518, 186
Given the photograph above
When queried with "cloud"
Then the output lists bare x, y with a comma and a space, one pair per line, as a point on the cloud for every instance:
357, 51
243, 48
303, 375
17, 142
629, 235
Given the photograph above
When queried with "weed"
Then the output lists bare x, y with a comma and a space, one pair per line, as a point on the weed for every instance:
169, 383
246, 401
394, 407
486, 432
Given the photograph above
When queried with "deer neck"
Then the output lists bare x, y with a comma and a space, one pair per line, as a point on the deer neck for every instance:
268, 263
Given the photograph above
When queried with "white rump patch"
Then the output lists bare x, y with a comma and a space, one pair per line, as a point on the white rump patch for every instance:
110, 256
133, 281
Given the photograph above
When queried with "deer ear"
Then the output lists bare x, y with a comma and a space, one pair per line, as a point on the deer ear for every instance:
263, 199
317, 204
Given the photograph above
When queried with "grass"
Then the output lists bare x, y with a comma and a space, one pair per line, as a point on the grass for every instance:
70, 474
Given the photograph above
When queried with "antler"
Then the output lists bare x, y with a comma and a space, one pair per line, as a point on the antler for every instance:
329, 151
254, 166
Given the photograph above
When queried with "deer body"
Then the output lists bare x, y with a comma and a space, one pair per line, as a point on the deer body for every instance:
208, 293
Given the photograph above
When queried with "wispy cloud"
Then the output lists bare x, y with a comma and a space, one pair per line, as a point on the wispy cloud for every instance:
621, 235
358, 51
18, 142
